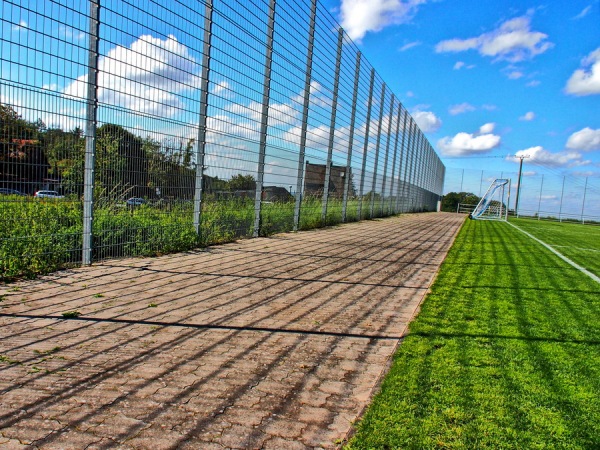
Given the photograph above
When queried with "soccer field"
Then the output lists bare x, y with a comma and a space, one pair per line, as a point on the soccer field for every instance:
579, 243
505, 352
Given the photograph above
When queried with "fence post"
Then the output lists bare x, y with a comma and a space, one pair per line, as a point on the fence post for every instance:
481, 184
305, 105
429, 174
394, 160
408, 164
421, 169
264, 119
201, 147
415, 175
387, 153
351, 138
377, 144
443, 178
408, 167
90, 135
402, 162
413, 164
336, 87
583, 203
366, 146
540, 200
562, 194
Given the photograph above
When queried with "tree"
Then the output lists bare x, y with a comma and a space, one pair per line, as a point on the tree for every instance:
23, 163
66, 152
451, 200
241, 182
121, 162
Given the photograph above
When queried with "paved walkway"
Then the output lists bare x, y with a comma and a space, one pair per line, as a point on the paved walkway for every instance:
264, 343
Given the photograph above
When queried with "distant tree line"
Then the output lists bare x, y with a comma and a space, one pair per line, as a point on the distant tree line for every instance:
451, 200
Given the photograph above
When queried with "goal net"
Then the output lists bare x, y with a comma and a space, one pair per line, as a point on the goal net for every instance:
492, 206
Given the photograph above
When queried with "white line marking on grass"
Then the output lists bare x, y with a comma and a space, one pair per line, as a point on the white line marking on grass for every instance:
564, 258
578, 248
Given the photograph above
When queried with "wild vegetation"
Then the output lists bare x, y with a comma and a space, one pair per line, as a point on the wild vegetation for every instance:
40, 236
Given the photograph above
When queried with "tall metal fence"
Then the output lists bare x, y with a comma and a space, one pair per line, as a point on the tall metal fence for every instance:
160, 126
545, 193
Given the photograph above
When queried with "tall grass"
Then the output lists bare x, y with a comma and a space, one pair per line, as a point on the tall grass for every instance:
41, 236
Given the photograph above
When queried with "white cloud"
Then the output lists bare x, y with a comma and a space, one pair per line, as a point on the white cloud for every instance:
50, 87
358, 17
512, 41
460, 64
583, 13
586, 140
515, 75
586, 81
427, 121
585, 173
409, 46
533, 83
465, 144
541, 156
489, 107
461, 108
146, 77
528, 116
21, 26
220, 88
487, 128
71, 34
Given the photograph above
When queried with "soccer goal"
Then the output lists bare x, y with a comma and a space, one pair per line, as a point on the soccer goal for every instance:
492, 206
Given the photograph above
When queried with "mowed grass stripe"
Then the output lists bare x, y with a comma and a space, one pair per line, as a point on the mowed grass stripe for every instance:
505, 353
579, 243
560, 255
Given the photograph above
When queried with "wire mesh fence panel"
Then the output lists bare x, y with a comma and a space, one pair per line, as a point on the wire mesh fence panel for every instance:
545, 193
43, 49
144, 128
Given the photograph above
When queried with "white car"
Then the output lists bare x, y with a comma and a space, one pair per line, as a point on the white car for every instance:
48, 194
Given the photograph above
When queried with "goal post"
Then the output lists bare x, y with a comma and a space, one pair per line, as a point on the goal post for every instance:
492, 206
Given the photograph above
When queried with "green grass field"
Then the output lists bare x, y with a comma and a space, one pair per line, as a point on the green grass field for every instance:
505, 353
581, 244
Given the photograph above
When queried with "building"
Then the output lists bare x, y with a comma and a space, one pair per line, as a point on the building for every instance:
314, 180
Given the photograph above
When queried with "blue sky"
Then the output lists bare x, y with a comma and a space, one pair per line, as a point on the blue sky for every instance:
483, 80
492, 78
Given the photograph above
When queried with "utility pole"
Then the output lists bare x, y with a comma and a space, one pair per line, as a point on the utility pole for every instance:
522, 157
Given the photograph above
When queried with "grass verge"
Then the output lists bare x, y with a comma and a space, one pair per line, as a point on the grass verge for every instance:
505, 353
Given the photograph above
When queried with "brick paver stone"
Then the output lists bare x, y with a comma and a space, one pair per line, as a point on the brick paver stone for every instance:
272, 342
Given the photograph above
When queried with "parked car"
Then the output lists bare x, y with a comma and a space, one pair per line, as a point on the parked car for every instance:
135, 201
6, 191
48, 194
